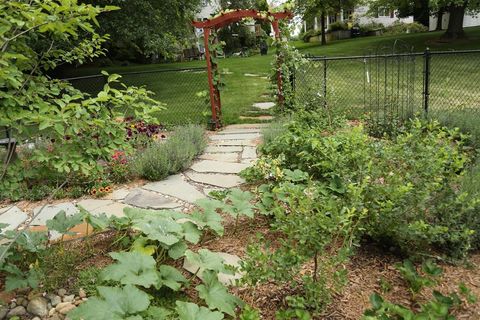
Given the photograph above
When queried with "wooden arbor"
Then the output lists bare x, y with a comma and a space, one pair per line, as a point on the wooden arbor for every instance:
220, 21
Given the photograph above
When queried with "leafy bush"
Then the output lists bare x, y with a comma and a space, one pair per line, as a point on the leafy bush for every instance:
401, 27
162, 158
408, 184
337, 26
371, 26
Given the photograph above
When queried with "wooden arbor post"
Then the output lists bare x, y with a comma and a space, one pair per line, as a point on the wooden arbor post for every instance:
223, 20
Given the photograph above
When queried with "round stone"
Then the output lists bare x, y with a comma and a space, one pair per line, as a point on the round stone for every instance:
38, 306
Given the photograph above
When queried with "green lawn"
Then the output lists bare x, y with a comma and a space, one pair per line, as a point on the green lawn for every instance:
345, 78
367, 45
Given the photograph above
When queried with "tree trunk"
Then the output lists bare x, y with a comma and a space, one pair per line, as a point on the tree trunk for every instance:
440, 18
322, 25
455, 23
421, 12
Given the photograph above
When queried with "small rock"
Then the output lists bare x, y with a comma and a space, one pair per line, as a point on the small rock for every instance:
38, 307
54, 299
82, 294
33, 294
62, 305
3, 312
17, 311
67, 309
78, 302
21, 300
36, 318
52, 312
12, 305
55, 317
69, 298
62, 292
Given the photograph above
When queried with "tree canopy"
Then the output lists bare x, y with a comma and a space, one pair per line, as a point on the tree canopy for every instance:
143, 28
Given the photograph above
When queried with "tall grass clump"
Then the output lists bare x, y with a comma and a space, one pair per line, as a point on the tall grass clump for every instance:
163, 158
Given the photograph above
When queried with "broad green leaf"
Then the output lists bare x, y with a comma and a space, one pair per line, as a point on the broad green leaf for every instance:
210, 219
112, 303
190, 311
132, 268
216, 294
206, 260
157, 313
191, 232
165, 230
240, 203
141, 245
170, 277
62, 223
97, 221
177, 250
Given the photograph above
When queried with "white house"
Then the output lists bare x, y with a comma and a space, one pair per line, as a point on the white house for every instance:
387, 17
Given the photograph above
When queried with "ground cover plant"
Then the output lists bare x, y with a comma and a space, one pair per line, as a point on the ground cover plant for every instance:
143, 272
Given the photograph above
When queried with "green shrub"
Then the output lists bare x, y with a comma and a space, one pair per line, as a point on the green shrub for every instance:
400, 27
162, 158
409, 182
337, 26
369, 27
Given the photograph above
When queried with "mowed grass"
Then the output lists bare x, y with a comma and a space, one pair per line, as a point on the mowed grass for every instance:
366, 45
453, 84
178, 90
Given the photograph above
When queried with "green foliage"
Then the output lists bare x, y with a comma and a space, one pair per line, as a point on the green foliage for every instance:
191, 311
417, 282
175, 154
438, 307
132, 268
337, 26
216, 295
36, 37
400, 27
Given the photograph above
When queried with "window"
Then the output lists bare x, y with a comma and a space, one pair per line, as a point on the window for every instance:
383, 12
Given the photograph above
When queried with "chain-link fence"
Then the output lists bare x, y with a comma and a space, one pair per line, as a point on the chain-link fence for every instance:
442, 84
177, 88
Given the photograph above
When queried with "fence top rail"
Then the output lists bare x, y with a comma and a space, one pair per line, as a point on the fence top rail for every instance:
93, 76
391, 55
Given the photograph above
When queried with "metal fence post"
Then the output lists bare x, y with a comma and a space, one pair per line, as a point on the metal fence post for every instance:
325, 81
426, 79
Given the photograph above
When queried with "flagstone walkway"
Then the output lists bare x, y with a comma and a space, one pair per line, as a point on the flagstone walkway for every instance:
229, 151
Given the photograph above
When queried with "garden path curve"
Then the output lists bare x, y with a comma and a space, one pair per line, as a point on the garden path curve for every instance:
229, 151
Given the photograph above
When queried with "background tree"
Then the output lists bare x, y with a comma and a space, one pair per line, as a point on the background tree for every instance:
147, 28
313, 8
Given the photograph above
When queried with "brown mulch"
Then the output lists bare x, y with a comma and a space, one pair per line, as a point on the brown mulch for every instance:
368, 269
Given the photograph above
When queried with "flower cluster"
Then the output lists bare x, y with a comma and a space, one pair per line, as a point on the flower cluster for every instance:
119, 157
136, 128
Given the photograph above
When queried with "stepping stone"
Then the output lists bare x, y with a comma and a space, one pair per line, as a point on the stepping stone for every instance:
264, 105
240, 143
218, 166
91, 205
12, 216
114, 209
218, 149
240, 131
227, 157
97, 206
149, 200
237, 136
226, 279
251, 75
216, 179
249, 153
119, 194
247, 126
177, 187
51, 211
262, 118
